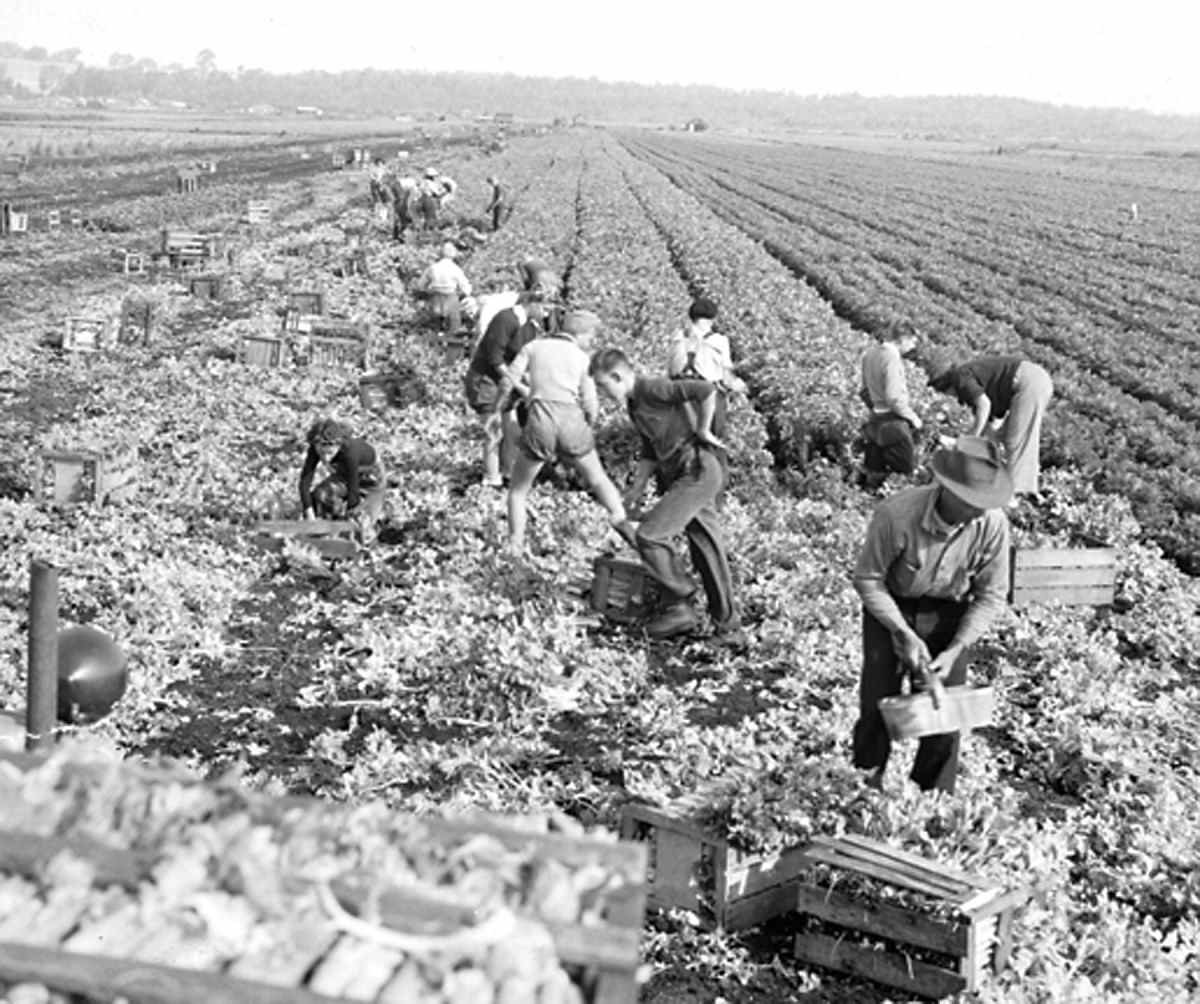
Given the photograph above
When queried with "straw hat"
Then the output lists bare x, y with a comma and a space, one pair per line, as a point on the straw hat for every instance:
974, 472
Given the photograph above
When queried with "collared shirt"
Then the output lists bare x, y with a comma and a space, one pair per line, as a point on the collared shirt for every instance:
507, 334
884, 382
444, 276
706, 357
663, 413
556, 369
911, 552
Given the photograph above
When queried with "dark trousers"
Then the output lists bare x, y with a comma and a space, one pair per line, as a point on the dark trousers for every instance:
428, 209
889, 445
935, 622
689, 506
497, 217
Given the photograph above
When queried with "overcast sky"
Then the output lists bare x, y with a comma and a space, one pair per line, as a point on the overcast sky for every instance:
1084, 52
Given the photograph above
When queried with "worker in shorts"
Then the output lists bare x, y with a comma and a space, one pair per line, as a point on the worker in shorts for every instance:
1008, 397
444, 284
933, 577
551, 375
674, 419
890, 430
488, 384
354, 488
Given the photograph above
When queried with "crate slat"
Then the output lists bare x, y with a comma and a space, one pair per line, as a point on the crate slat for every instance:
1072, 576
1064, 557
888, 968
883, 920
883, 872
965, 879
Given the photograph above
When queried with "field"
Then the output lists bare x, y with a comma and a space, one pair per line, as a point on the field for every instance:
435, 674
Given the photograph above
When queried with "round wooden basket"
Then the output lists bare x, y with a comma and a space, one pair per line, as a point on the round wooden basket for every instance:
913, 715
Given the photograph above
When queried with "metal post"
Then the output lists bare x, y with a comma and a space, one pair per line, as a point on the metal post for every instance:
42, 683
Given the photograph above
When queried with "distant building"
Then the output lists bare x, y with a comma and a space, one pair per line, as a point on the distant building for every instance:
309, 110
695, 125
503, 118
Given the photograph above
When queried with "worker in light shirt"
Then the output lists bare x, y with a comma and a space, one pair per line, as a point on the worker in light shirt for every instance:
700, 353
551, 374
444, 284
889, 433
933, 575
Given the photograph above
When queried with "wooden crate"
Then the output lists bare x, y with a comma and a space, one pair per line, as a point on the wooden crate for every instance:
1072, 576
75, 217
332, 351
137, 322
70, 944
13, 222
261, 350
183, 248
258, 213
329, 538
53, 219
67, 477
622, 590
693, 868
207, 287
84, 334
306, 301
374, 392
975, 937
132, 262
187, 180
352, 263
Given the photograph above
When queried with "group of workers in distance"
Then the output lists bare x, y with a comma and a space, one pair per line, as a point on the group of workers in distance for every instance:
932, 573
416, 202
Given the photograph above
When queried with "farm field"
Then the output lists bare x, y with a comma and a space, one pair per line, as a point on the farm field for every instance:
1004, 253
437, 675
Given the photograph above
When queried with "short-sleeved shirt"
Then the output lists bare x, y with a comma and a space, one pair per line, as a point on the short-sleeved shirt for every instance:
509, 332
990, 375
663, 413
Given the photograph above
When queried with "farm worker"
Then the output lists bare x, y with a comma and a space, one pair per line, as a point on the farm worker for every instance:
444, 282
889, 430
378, 182
355, 486
551, 374
933, 576
1011, 394
699, 353
538, 277
495, 208
489, 383
429, 201
404, 195
490, 304
447, 190
674, 421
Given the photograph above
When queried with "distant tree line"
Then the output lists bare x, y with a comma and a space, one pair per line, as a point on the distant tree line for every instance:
389, 92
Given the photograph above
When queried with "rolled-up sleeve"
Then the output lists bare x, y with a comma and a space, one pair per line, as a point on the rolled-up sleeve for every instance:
989, 588
879, 551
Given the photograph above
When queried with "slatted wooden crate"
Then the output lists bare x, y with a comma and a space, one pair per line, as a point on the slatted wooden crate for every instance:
183, 248
207, 287
693, 868
622, 590
261, 350
84, 334
329, 538
68, 477
306, 301
258, 213
1072, 576
15, 222
137, 322
373, 392
352, 263
971, 931
94, 941
187, 180
75, 217
132, 262
53, 219
336, 352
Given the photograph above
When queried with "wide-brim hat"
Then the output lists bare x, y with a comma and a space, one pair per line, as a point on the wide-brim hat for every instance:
974, 472
431, 172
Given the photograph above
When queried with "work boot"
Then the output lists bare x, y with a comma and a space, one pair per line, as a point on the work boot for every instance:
679, 618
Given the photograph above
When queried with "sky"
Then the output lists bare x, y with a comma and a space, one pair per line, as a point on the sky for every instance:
1079, 52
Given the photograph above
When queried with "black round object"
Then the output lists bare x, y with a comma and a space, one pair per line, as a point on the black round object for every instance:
91, 674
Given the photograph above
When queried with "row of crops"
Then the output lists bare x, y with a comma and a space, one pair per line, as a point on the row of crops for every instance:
982, 261
435, 674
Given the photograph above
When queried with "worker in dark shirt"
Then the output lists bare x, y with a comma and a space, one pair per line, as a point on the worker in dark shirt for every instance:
488, 383
1011, 395
355, 486
495, 207
674, 421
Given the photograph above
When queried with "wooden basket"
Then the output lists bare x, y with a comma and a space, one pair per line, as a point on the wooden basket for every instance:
622, 590
68, 477
911, 716
975, 937
1072, 576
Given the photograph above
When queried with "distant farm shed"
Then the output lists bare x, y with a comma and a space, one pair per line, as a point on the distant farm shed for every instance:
695, 125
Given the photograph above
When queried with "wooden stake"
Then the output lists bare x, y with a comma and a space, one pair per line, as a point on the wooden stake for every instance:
41, 711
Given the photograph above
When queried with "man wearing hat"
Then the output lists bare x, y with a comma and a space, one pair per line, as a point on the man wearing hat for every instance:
495, 208
933, 575
551, 374
444, 283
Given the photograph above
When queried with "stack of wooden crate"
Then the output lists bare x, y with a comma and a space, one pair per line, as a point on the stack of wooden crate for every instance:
69, 477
